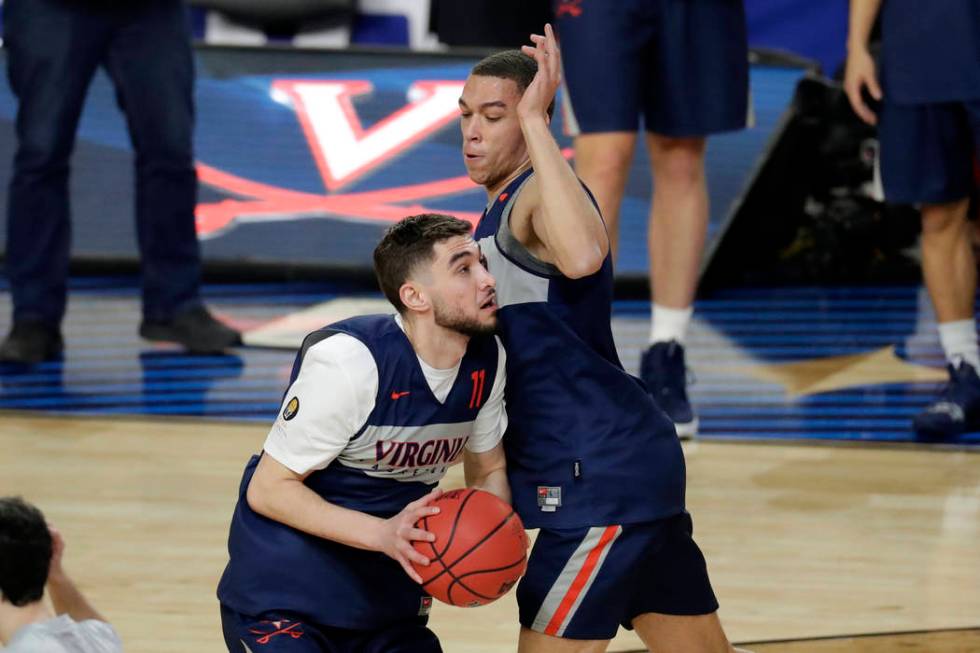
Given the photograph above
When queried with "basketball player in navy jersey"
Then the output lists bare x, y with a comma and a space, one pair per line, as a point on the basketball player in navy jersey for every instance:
377, 409
592, 462
929, 141
683, 66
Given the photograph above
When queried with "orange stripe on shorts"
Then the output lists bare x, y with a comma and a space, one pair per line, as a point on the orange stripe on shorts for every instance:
580, 580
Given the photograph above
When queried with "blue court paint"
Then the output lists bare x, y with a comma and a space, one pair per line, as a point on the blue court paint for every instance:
109, 371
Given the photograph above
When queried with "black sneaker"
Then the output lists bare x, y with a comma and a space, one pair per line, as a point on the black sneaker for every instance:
957, 410
31, 342
196, 330
665, 375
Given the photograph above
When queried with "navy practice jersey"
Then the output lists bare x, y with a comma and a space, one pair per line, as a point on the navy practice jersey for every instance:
585, 443
930, 51
404, 448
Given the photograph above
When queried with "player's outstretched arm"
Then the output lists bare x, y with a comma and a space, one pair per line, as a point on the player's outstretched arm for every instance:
563, 216
860, 71
279, 493
487, 471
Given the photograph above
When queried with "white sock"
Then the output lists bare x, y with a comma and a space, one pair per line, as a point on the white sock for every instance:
959, 340
669, 323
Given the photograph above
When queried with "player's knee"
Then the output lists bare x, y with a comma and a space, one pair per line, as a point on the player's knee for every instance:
42, 151
679, 162
939, 219
606, 163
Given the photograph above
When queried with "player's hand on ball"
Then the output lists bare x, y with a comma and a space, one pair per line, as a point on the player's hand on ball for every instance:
482, 548
398, 532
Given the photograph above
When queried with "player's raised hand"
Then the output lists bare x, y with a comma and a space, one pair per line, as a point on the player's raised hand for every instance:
858, 74
57, 552
398, 533
539, 95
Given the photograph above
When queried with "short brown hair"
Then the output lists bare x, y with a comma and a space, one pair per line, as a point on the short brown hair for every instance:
513, 65
408, 243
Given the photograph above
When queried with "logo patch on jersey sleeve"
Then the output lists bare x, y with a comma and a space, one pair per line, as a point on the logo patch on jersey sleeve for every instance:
291, 409
425, 606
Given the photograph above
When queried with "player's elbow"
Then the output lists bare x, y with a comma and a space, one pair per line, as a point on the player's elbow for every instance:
257, 496
253, 497
584, 264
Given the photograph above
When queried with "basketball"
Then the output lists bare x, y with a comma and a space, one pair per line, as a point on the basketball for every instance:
480, 550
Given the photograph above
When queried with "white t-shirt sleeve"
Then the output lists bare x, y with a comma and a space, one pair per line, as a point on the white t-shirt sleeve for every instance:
491, 421
62, 634
103, 637
336, 390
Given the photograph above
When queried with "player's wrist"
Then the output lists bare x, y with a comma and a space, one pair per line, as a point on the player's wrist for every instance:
857, 46
58, 578
532, 118
376, 536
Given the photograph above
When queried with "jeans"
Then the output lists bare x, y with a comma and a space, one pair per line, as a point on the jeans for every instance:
54, 48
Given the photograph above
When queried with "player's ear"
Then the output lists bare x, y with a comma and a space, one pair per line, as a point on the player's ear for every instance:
413, 297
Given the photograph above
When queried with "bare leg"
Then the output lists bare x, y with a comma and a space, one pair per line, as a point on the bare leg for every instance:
534, 642
682, 634
678, 218
950, 273
603, 161
947, 260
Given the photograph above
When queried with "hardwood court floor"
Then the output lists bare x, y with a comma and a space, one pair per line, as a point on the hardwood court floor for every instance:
944, 641
802, 541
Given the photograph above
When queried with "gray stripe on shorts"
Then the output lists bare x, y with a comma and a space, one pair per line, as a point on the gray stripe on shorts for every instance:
552, 601
588, 583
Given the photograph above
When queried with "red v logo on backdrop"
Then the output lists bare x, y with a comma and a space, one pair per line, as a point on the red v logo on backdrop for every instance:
342, 149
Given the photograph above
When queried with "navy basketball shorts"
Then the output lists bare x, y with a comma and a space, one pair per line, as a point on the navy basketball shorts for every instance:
288, 633
926, 152
681, 64
584, 583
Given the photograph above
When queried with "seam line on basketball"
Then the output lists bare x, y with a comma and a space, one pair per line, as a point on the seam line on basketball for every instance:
447, 569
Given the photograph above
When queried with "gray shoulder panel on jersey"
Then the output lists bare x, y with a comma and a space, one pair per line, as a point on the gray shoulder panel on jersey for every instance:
521, 278
513, 247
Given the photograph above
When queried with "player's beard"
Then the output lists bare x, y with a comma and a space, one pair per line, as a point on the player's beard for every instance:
454, 320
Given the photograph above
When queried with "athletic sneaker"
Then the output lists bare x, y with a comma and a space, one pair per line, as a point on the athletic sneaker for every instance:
957, 410
31, 342
195, 329
665, 375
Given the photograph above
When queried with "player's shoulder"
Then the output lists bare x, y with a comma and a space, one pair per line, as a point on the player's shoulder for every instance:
340, 360
103, 633
501, 352
528, 194
525, 206
487, 348
340, 349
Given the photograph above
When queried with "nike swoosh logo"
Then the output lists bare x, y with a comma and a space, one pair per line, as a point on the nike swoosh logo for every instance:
398, 395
